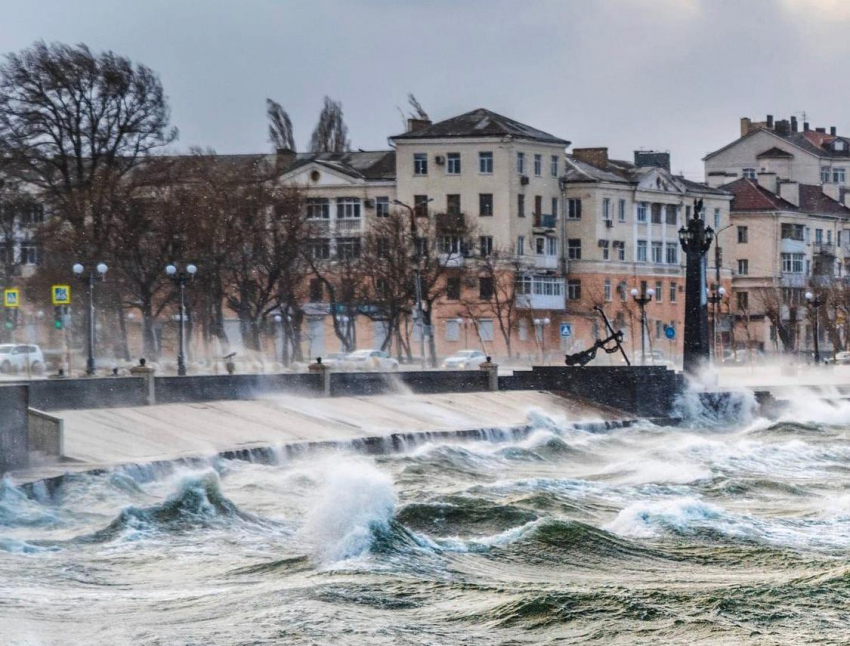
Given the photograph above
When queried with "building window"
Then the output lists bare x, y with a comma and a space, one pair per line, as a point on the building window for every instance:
420, 206
606, 209
605, 253
743, 267
673, 288
574, 290
485, 329
717, 219
793, 232
659, 329
838, 176
641, 250
621, 211
818, 236
554, 207
538, 205
316, 291
608, 290
452, 330
29, 254
540, 246
381, 289
420, 164
641, 212
657, 252
382, 207
621, 290
538, 165
659, 291
485, 246
485, 163
453, 288
551, 247
743, 299
453, 204
672, 253
453, 163
420, 246
318, 208
520, 245
824, 175
574, 248
347, 208
656, 213
520, 205
620, 246
319, 248
485, 204
792, 263
573, 209
743, 235
749, 173
520, 163
672, 214
553, 166
347, 248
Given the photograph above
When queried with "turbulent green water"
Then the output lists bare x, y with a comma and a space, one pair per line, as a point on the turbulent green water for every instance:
631, 536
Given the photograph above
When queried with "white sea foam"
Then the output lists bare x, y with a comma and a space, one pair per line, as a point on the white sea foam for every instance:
649, 518
355, 501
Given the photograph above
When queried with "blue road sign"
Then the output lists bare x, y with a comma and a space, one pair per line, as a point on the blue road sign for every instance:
566, 330
670, 332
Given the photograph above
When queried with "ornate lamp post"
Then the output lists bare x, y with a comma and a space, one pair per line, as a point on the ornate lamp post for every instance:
540, 325
642, 300
180, 278
696, 239
815, 303
715, 299
90, 279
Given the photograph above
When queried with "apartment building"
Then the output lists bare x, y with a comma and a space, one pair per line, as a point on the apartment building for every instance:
622, 223
786, 238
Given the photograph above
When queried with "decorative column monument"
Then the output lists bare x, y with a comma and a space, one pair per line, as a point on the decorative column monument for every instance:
696, 239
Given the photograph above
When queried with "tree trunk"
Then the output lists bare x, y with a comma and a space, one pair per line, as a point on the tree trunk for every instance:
122, 326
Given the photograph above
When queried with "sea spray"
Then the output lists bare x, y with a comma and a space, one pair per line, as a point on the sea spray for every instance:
355, 502
701, 405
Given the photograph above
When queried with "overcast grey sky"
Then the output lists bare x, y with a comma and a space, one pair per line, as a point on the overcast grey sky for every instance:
665, 74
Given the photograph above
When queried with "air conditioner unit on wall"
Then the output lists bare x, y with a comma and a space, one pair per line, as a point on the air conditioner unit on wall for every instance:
524, 180
439, 160
369, 203
609, 224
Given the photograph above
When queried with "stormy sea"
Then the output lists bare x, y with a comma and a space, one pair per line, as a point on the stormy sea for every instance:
728, 529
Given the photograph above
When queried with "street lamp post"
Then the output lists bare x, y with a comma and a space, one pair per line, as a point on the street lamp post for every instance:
815, 303
715, 299
180, 278
420, 315
101, 270
540, 325
695, 239
284, 346
642, 300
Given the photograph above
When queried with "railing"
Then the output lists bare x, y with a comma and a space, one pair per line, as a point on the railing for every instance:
542, 221
353, 225
546, 262
825, 248
542, 293
793, 280
451, 259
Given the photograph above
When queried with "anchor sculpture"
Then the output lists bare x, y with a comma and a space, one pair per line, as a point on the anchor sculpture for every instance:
586, 356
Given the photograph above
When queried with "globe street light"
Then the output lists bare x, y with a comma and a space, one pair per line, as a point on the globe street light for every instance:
642, 300
540, 325
815, 303
284, 348
78, 270
179, 277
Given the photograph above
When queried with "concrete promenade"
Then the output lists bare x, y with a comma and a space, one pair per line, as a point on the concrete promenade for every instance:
108, 437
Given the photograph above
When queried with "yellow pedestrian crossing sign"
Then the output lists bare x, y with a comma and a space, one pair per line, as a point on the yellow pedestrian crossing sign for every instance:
60, 294
12, 297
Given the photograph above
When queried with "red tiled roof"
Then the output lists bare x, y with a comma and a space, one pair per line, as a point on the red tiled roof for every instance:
749, 196
813, 200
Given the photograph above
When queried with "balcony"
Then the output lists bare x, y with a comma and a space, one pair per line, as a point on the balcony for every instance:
451, 259
546, 262
825, 248
349, 226
540, 293
319, 227
543, 223
450, 222
793, 280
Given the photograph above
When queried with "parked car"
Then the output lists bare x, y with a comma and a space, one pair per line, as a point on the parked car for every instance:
335, 360
21, 358
840, 359
370, 360
464, 359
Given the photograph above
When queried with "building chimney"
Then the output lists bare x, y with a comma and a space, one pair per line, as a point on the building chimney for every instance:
821, 130
768, 181
833, 130
770, 121
793, 124
594, 156
745, 125
417, 124
652, 158
805, 126
790, 192
284, 158
783, 127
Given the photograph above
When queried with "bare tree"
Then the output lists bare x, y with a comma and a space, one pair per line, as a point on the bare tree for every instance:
331, 133
73, 123
280, 126
775, 309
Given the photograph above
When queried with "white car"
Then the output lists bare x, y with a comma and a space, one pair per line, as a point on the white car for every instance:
335, 360
21, 358
841, 358
464, 359
370, 360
